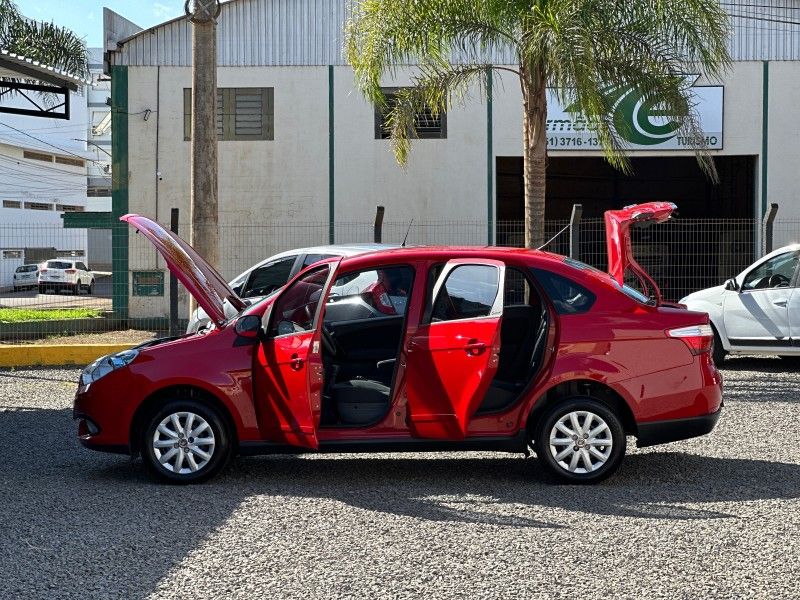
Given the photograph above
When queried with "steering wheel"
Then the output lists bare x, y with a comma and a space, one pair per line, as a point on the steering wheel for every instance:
778, 280
328, 342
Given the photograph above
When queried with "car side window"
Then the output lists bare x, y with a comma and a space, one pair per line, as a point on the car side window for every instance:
567, 296
516, 288
82, 266
268, 278
468, 292
310, 259
381, 292
776, 272
295, 310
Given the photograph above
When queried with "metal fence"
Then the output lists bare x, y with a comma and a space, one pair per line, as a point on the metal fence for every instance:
131, 285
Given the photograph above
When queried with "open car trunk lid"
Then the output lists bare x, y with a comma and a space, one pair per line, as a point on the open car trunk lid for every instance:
204, 283
618, 241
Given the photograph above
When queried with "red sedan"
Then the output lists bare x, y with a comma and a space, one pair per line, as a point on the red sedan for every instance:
413, 349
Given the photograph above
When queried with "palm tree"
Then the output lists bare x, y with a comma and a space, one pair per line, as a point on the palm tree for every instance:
47, 43
586, 51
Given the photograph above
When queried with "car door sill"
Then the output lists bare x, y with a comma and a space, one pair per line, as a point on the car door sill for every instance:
762, 343
515, 444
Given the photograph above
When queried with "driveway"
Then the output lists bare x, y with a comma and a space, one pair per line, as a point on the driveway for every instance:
713, 517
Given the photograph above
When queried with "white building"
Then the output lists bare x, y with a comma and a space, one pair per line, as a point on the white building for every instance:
42, 176
299, 144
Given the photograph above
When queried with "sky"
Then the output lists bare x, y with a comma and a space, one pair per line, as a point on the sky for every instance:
85, 17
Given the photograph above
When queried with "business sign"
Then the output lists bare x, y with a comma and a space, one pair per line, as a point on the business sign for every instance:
642, 125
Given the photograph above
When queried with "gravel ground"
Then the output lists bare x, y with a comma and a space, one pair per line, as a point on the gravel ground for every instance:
714, 517
127, 336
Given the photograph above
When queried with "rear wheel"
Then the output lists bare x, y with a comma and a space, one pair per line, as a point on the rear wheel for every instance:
717, 351
41, 289
185, 442
90, 289
580, 440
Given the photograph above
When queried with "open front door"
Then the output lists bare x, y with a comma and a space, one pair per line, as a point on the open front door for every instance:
288, 372
453, 356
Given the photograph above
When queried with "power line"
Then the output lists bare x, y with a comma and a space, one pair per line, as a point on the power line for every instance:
767, 6
51, 145
23, 163
766, 19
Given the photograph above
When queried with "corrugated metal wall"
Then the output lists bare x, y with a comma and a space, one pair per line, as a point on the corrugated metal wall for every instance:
310, 32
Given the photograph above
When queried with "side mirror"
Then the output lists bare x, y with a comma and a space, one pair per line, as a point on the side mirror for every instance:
248, 326
732, 285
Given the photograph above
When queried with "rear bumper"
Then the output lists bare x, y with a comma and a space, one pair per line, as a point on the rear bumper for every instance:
662, 432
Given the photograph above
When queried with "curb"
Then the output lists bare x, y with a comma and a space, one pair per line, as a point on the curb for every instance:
29, 355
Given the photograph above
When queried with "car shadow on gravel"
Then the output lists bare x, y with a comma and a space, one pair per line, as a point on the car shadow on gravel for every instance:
653, 485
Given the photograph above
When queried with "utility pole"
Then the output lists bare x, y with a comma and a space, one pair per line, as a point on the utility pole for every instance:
203, 211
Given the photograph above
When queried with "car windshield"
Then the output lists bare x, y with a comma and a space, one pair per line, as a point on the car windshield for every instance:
625, 289
58, 264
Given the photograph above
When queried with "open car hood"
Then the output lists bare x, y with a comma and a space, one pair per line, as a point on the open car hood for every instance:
204, 283
618, 241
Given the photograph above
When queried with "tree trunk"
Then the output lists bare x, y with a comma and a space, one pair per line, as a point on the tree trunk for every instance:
534, 139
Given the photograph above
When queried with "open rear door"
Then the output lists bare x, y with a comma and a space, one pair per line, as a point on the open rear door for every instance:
453, 356
618, 240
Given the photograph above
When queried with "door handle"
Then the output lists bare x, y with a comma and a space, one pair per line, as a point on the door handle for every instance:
475, 347
295, 362
780, 302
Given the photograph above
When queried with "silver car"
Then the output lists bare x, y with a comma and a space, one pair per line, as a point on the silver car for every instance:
270, 275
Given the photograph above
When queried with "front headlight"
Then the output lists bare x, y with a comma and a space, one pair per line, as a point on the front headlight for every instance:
105, 364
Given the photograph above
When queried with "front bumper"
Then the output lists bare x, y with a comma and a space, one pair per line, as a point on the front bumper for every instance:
672, 430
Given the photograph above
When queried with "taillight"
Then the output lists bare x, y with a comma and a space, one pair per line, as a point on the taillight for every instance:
42, 270
70, 271
698, 338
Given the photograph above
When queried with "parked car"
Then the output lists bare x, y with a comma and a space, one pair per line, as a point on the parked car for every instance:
495, 349
26, 276
758, 311
271, 274
65, 273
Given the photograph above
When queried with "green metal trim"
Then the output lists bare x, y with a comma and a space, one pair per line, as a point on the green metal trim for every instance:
489, 161
119, 190
764, 136
331, 161
88, 220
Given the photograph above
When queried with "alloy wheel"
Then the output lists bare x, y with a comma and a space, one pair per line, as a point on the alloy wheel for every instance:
581, 442
183, 442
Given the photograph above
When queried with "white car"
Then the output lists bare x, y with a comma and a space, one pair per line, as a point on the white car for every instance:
758, 311
26, 276
270, 275
65, 273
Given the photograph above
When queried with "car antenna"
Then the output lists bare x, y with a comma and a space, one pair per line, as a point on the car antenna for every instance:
403, 245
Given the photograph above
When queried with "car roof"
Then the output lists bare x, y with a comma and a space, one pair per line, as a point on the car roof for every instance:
334, 249
450, 252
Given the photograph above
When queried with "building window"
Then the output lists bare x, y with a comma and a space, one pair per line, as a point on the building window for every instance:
73, 162
242, 114
12, 204
427, 125
68, 208
98, 192
37, 156
69, 253
12, 253
38, 206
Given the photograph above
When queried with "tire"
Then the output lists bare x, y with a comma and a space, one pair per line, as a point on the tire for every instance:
76, 289
717, 351
90, 289
16, 289
568, 468
41, 289
216, 454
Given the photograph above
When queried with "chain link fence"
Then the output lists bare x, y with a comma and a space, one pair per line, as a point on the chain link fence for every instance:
120, 283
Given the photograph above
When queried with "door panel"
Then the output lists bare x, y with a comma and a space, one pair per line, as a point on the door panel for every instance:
289, 384
288, 370
368, 339
452, 360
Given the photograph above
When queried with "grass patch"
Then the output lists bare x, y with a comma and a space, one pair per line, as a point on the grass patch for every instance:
18, 315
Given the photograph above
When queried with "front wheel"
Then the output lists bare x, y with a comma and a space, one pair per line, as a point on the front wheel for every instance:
579, 441
185, 442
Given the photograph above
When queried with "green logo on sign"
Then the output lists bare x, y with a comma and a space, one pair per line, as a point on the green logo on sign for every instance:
634, 117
